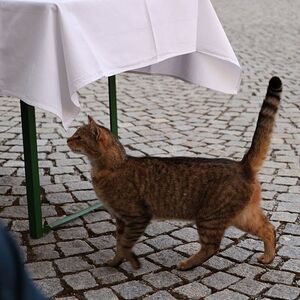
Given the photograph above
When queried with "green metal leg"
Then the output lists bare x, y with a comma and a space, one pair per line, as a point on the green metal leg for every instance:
31, 171
31, 166
112, 90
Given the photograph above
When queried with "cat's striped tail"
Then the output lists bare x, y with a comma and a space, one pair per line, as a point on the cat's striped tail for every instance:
258, 151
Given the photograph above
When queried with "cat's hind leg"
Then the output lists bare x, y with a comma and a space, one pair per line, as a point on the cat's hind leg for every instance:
252, 220
210, 239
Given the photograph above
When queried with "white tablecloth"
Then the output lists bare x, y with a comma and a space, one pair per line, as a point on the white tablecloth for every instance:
51, 48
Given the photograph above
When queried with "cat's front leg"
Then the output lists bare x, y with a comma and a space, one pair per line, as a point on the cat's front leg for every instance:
119, 256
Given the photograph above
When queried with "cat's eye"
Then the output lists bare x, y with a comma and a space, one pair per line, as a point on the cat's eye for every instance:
77, 137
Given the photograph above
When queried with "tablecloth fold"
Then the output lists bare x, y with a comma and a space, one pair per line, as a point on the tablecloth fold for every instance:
50, 49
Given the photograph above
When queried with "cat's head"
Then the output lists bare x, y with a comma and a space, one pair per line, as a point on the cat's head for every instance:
96, 142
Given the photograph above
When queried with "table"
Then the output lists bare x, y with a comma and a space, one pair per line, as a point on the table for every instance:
51, 48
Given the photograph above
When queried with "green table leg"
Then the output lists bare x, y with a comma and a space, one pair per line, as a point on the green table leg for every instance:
31, 166
31, 170
112, 90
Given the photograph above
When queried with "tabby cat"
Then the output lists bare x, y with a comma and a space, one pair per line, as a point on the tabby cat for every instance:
215, 193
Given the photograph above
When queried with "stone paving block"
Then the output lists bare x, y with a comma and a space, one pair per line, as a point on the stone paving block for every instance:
234, 233
278, 277
50, 287
80, 281
97, 217
166, 258
70, 208
72, 264
288, 197
289, 206
54, 188
108, 275
59, 198
284, 217
132, 289
253, 245
72, 233
157, 228
292, 265
45, 252
103, 242
289, 252
289, 240
101, 257
163, 242
246, 270
220, 280
161, 280
236, 253
218, 263
193, 274
85, 195
193, 290
227, 295
20, 225
103, 294
74, 247
46, 239
292, 229
82, 185
188, 249
250, 287
101, 227
280, 291
146, 267
142, 249
161, 295
187, 234
39, 270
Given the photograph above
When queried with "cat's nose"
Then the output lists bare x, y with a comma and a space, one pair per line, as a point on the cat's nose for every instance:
68, 140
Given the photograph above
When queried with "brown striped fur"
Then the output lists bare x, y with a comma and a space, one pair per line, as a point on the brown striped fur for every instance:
215, 193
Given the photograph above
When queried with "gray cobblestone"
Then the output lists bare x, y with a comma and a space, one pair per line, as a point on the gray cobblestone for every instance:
80, 281
220, 280
249, 287
132, 289
74, 247
108, 275
72, 264
50, 287
280, 291
40, 270
246, 270
278, 277
163, 242
227, 295
162, 295
162, 279
103, 294
166, 258
193, 290
101, 227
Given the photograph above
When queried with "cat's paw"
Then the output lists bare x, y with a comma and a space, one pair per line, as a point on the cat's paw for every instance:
184, 265
265, 259
135, 264
114, 261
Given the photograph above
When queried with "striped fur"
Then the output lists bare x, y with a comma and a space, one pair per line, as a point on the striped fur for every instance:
215, 193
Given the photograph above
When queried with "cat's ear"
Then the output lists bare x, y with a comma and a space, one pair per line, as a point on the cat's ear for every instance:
91, 120
94, 127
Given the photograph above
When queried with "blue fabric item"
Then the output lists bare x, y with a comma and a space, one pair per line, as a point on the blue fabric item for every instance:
15, 283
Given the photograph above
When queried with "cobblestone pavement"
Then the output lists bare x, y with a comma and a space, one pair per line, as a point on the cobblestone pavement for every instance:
165, 116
